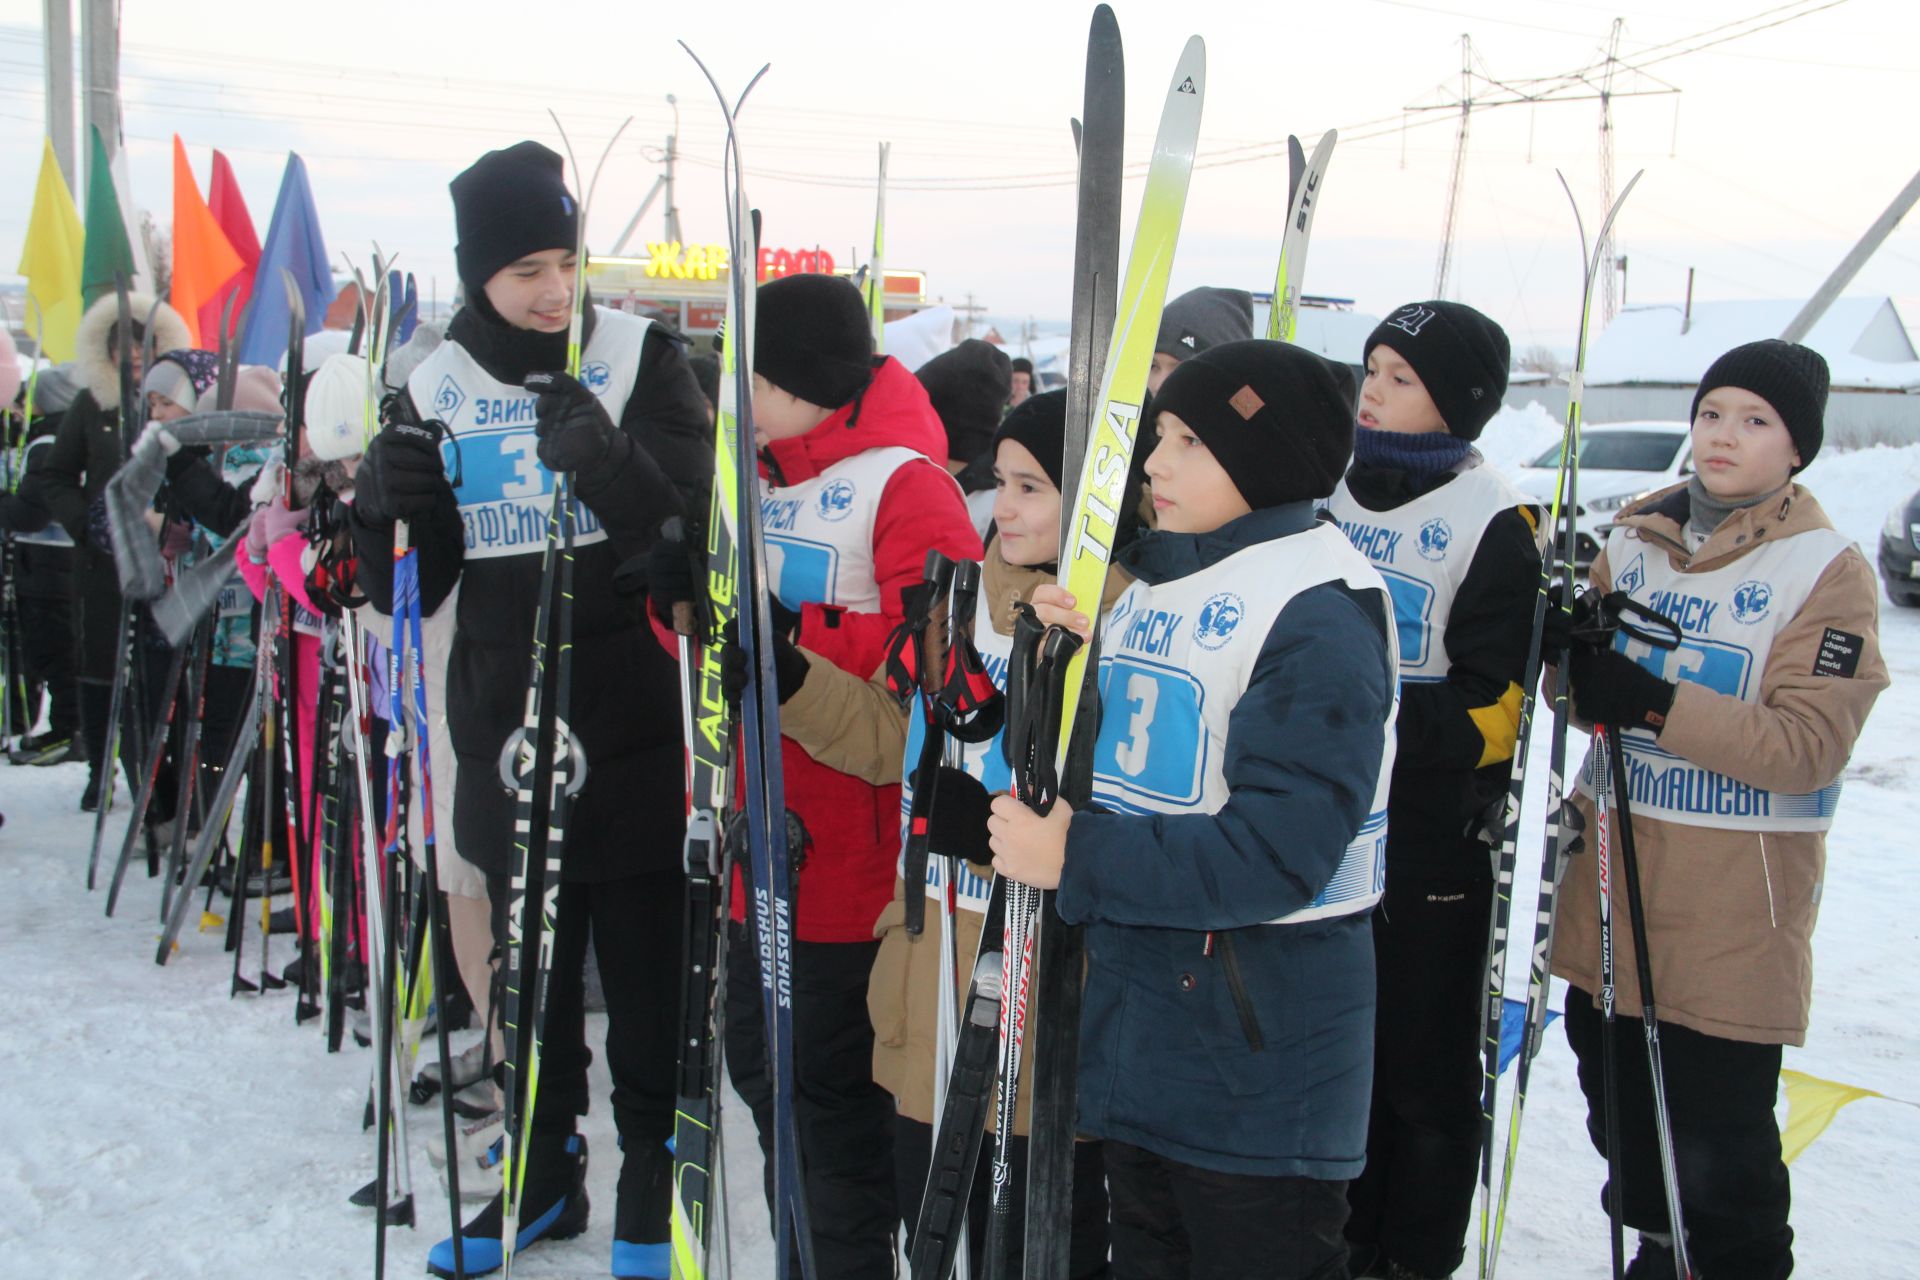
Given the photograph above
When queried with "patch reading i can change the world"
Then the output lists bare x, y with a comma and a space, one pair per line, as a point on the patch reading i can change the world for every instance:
1839, 654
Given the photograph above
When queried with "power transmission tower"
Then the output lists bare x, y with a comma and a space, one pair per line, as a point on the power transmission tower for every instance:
1584, 84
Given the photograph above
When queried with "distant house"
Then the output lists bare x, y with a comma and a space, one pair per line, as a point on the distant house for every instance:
1649, 360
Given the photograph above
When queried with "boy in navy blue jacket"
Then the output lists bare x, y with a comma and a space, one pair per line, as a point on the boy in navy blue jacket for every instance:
1236, 843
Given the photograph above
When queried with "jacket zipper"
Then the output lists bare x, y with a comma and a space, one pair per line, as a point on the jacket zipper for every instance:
1237, 988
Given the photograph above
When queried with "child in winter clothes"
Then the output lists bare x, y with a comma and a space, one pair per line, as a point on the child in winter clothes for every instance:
1234, 847
1459, 549
853, 494
856, 726
1735, 743
634, 435
1198, 319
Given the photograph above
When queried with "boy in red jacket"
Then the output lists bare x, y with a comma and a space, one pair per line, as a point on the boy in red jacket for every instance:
853, 493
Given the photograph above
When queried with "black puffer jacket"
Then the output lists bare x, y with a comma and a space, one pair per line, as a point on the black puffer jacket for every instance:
87, 449
625, 697
41, 571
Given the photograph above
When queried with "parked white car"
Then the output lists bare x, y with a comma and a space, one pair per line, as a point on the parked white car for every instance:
1619, 463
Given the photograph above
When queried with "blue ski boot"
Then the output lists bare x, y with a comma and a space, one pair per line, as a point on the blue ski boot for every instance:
554, 1207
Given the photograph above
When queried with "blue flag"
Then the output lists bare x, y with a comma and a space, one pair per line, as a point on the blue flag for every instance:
294, 242
1513, 1029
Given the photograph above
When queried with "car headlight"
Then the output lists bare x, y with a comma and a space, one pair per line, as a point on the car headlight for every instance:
1895, 528
1614, 503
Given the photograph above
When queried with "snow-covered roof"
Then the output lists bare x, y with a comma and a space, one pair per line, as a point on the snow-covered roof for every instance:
1864, 341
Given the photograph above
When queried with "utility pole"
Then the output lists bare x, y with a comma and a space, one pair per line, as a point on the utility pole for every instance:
100, 70
58, 23
1459, 166
1608, 308
1856, 258
661, 185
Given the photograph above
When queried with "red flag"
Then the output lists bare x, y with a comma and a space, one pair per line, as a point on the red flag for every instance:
203, 261
229, 209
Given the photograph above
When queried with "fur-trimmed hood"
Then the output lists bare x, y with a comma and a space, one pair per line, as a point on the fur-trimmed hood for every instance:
100, 372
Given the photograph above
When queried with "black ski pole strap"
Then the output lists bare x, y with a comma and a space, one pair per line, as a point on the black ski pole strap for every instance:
920, 820
1027, 633
1034, 733
1076, 784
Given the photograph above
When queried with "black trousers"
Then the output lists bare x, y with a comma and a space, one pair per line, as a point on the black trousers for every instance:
634, 925
845, 1119
1413, 1201
1734, 1192
1086, 1251
46, 652
1172, 1221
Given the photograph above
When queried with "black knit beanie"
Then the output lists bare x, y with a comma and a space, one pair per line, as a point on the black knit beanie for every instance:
1039, 423
1202, 318
1278, 418
1790, 377
509, 204
1460, 355
968, 386
813, 339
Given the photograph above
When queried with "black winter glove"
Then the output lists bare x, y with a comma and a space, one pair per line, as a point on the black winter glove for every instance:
401, 476
668, 577
960, 808
789, 664
574, 429
1612, 689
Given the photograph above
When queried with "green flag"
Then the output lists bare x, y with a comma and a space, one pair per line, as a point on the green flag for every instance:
108, 252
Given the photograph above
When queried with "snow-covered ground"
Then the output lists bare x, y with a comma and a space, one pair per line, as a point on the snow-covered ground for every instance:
153, 1127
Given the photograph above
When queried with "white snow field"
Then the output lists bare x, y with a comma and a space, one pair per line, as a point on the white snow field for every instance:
155, 1128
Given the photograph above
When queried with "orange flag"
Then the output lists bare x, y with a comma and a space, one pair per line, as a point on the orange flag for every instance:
203, 260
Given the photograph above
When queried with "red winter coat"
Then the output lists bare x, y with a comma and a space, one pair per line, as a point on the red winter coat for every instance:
847, 878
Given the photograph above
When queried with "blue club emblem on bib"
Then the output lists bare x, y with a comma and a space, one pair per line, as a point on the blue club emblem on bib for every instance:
1751, 600
836, 500
1218, 619
596, 377
1435, 535
1635, 576
448, 399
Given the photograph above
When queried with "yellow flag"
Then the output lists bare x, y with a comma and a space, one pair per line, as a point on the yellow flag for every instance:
50, 261
1812, 1103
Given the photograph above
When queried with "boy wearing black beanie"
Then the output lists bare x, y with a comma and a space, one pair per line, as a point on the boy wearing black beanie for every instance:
634, 433
1227, 867
1459, 549
1193, 322
1735, 743
853, 494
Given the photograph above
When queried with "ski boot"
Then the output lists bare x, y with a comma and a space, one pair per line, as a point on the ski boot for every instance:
554, 1207
642, 1247
469, 1067
479, 1145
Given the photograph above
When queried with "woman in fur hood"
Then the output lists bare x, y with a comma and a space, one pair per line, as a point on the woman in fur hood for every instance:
87, 449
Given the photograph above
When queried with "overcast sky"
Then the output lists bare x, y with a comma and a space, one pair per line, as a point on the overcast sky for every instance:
1778, 152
